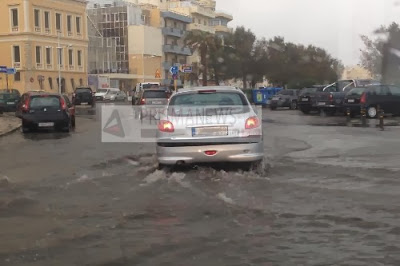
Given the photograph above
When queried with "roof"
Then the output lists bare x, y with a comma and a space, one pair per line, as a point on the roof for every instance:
217, 88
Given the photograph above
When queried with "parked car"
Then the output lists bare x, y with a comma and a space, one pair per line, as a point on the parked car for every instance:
306, 99
330, 100
385, 97
352, 100
284, 98
40, 110
109, 94
9, 100
209, 124
83, 96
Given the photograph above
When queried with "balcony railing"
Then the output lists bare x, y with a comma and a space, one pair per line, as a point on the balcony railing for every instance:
47, 31
173, 32
39, 65
207, 12
71, 67
196, 26
38, 29
15, 29
176, 49
49, 66
221, 28
17, 65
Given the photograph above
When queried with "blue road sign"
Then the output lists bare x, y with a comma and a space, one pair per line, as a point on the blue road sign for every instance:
11, 71
174, 70
3, 69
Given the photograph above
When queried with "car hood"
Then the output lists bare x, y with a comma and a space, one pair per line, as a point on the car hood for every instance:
100, 94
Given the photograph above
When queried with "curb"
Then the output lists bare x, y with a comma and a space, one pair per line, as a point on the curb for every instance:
10, 131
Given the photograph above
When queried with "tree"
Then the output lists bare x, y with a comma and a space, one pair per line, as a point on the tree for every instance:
373, 53
202, 42
243, 45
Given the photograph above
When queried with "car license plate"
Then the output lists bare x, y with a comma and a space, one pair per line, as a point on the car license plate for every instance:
49, 124
210, 131
275, 99
305, 99
321, 103
350, 100
84, 103
10, 103
156, 102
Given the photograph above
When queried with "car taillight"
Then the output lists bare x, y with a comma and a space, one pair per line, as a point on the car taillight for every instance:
63, 104
363, 99
25, 106
252, 122
166, 126
330, 97
73, 95
143, 101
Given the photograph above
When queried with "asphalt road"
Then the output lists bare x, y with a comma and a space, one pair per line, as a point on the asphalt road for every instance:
330, 196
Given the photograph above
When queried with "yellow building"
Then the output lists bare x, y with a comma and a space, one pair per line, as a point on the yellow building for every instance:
44, 40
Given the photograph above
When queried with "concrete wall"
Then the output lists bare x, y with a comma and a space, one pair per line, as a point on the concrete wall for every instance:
145, 40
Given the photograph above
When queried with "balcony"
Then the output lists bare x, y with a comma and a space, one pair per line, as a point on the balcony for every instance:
223, 15
201, 27
173, 32
176, 49
47, 31
176, 16
17, 65
49, 66
39, 65
71, 67
38, 29
221, 28
207, 12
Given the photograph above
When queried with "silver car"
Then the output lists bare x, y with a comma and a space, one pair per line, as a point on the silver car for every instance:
207, 125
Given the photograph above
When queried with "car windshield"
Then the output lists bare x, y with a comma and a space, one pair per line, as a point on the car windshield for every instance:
195, 103
155, 94
356, 91
83, 90
286, 92
44, 101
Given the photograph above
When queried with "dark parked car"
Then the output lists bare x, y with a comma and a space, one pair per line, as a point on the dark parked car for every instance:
9, 100
330, 100
284, 98
386, 97
306, 98
352, 100
39, 110
83, 96
151, 100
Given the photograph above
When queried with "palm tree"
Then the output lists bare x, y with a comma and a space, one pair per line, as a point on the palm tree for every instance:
203, 42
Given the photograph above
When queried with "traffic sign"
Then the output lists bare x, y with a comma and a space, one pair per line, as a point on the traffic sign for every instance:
11, 71
158, 74
174, 76
186, 69
174, 70
3, 69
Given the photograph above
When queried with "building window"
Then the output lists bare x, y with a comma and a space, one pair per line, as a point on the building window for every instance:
199, 21
38, 56
14, 19
79, 58
51, 83
47, 20
70, 57
58, 22
81, 82
17, 76
205, 22
16, 57
60, 57
37, 19
48, 55
78, 25
69, 25
73, 84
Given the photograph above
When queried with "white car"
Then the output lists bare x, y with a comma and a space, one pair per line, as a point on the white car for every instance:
209, 124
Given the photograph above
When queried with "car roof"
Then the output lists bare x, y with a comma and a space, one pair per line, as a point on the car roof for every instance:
216, 88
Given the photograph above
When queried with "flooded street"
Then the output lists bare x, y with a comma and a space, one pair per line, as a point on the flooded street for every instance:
329, 196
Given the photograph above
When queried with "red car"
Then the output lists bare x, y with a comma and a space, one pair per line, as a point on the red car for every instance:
39, 110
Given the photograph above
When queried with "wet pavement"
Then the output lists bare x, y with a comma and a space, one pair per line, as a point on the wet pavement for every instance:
330, 196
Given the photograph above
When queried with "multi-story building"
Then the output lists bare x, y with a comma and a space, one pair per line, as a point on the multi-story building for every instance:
220, 23
46, 41
174, 48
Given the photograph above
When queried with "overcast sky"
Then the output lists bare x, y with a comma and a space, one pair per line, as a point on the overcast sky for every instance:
335, 25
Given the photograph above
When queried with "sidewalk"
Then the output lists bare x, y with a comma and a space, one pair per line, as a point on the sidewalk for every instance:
8, 123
